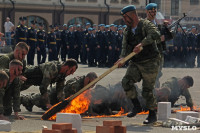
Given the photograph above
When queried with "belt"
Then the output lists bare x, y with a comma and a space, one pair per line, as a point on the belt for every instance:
52, 43
41, 40
23, 38
33, 39
170, 45
58, 39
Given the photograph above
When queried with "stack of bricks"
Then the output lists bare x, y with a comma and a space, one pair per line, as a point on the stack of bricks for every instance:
60, 128
111, 126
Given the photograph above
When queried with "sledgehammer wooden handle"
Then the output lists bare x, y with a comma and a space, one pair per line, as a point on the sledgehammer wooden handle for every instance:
103, 75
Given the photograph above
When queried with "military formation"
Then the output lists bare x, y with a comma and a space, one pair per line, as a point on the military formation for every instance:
103, 47
96, 46
184, 49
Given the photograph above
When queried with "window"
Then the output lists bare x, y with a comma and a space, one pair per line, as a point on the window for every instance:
175, 7
39, 20
80, 20
194, 2
158, 2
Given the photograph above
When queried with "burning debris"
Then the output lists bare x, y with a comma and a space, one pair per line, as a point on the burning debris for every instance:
99, 102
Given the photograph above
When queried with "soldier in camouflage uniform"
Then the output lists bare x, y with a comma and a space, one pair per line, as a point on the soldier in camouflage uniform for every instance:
20, 51
143, 66
3, 82
178, 87
71, 87
49, 73
10, 95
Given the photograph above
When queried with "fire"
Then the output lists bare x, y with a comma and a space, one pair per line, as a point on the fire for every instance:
78, 105
187, 109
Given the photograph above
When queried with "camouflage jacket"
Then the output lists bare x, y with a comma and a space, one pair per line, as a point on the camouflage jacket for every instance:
145, 33
6, 59
176, 91
50, 72
12, 92
73, 85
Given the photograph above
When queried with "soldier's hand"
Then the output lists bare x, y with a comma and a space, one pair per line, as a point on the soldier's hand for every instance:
137, 48
110, 48
88, 49
22, 78
18, 117
162, 38
98, 46
119, 62
38, 49
67, 47
2, 117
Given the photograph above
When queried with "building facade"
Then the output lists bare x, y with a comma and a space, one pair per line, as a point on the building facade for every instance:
67, 11
93, 11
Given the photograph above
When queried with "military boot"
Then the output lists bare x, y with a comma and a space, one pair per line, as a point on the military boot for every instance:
26, 102
151, 117
136, 109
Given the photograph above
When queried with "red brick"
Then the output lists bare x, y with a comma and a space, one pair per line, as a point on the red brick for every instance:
120, 129
73, 130
45, 130
62, 126
104, 129
112, 123
56, 131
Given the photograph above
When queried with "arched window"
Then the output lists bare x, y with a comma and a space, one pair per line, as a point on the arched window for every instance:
39, 20
80, 20
119, 22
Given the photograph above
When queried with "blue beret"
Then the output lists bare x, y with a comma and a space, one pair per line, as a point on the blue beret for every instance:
78, 25
116, 25
188, 29
184, 28
90, 29
64, 25
128, 9
102, 24
107, 26
151, 6
119, 28
88, 24
94, 25
112, 25
124, 26
193, 26
70, 26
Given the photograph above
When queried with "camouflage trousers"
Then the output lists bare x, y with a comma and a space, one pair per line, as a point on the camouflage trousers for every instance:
147, 71
35, 99
157, 84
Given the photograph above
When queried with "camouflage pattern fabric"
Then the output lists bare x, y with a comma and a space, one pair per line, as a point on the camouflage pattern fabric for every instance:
71, 87
6, 59
176, 91
143, 66
11, 96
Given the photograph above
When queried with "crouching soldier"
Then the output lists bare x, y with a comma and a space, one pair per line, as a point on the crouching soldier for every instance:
10, 93
46, 74
71, 87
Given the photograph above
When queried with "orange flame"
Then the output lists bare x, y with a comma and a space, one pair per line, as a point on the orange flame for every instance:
187, 109
78, 105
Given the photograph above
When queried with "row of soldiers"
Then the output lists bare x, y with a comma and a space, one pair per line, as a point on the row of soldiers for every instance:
95, 47
15, 77
184, 49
